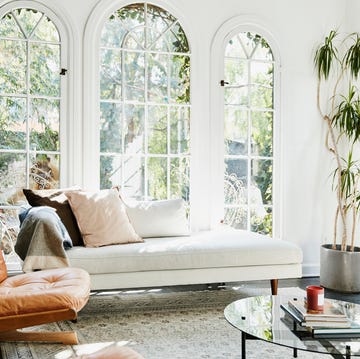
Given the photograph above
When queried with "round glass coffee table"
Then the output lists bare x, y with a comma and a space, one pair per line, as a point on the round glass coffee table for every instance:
262, 318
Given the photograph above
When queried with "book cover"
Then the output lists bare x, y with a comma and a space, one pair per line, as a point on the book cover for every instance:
331, 311
327, 325
336, 327
342, 322
352, 331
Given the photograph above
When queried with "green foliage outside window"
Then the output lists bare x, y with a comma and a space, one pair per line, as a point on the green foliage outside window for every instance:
248, 131
29, 102
144, 103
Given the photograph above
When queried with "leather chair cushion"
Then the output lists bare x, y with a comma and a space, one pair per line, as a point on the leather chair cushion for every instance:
3, 270
52, 289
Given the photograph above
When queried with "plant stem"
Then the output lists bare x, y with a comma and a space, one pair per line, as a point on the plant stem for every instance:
335, 227
334, 150
354, 210
318, 100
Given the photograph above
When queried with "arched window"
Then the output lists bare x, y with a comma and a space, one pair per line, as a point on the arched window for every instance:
248, 132
30, 101
145, 103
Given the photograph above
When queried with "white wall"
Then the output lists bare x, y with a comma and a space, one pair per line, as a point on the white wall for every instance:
296, 26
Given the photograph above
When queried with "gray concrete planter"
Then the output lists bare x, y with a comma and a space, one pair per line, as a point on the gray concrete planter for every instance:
339, 270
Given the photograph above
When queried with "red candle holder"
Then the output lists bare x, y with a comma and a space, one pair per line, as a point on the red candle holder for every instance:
315, 298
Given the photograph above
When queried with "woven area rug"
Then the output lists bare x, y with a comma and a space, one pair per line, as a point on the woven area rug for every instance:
160, 325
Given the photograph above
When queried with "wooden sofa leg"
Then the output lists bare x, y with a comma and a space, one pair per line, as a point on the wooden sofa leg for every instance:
67, 338
274, 286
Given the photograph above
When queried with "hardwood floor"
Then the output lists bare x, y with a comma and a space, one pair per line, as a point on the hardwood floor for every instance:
304, 282
296, 282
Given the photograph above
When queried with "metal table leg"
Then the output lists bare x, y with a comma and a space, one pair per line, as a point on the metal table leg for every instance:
295, 352
348, 352
295, 349
243, 345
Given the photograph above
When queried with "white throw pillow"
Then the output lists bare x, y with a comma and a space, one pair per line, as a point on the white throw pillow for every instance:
165, 218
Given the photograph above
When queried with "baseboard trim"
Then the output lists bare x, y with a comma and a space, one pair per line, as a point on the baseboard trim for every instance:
311, 270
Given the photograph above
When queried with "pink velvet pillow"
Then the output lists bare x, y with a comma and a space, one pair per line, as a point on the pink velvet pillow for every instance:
102, 218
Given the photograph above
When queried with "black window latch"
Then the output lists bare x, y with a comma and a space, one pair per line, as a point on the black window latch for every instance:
223, 83
63, 72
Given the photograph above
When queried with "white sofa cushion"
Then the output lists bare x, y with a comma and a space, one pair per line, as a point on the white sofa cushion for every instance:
165, 218
210, 249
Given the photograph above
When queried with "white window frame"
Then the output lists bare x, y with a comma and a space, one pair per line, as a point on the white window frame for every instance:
68, 104
146, 103
199, 124
227, 31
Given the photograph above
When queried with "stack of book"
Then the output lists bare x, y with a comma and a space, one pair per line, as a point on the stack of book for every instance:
331, 322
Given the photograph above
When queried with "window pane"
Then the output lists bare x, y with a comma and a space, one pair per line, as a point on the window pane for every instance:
110, 171
261, 220
132, 16
126, 172
12, 176
12, 123
45, 69
157, 177
46, 31
261, 97
134, 135
158, 19
236, 72
133, 184
110, 127
262, 181
249, 42
158, 22
113, 33
12, 67
134, 76
9, 27
180, 79
44, 171
262, 133
235, 49
45, 125
236, 131
157, 129
180, 178
235, 181
262, 73
110, 74
135, 40
236, 217
28, 18
180, 130
263, 51
237, 96
157, 78
177, 39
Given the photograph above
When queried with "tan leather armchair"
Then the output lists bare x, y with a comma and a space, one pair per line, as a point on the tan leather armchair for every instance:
38, 298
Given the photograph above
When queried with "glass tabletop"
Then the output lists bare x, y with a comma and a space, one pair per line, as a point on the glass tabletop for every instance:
262, 317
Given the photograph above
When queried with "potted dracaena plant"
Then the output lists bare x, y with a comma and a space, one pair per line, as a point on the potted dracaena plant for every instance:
337, 63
